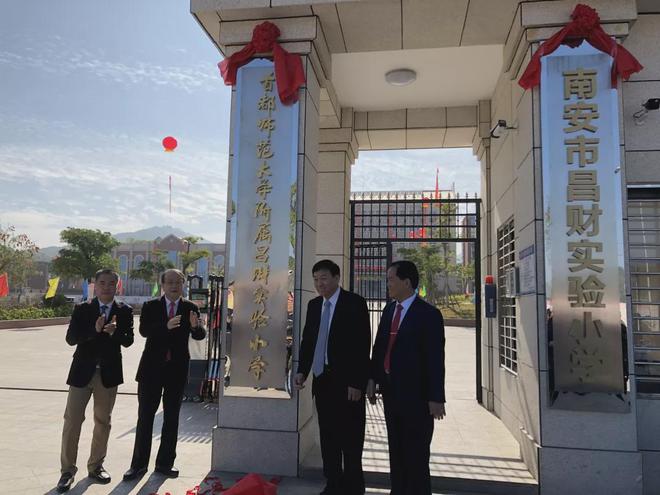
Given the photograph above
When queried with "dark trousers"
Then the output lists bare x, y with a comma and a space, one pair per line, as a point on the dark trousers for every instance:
409, 436
149, 395
341, 427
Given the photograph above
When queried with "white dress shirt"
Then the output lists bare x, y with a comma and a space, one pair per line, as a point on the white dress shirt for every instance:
405, 305
108, 309
333, 303
176, 305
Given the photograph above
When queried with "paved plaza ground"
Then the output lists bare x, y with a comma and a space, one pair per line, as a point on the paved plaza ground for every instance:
469, 444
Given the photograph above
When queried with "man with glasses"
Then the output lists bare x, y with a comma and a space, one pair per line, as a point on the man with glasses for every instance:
167, 324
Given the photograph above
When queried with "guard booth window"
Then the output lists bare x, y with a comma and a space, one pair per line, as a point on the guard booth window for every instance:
644, 247
506, 305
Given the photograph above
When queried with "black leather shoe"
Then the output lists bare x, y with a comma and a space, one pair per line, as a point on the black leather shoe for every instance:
65, 482
100, 475
171, 472
134, 472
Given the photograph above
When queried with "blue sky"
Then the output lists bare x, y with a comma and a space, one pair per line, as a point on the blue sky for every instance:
88, 90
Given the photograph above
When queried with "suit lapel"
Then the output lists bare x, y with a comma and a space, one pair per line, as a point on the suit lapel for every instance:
113, 311
337, 310
164, 308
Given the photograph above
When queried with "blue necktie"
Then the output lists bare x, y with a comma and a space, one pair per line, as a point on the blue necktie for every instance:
322, 340
104, 308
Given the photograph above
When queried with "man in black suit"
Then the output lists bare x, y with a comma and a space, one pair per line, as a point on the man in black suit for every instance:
408, 366
335, 347
167, 323
98, 329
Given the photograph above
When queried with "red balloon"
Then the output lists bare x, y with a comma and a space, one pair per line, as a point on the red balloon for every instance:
169, 143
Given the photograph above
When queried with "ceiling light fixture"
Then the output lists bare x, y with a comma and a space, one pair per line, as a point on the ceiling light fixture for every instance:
401, 77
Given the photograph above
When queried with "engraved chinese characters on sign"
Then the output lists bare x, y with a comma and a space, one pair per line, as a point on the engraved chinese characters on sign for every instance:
583, 221
264, 166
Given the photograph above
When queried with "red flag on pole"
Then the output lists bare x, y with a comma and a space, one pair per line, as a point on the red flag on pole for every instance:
4, 285
120, 287
437, 189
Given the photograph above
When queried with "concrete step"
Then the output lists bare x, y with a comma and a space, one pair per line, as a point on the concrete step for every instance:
443, 484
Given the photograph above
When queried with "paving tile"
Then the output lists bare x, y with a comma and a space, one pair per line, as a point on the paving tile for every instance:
470, 443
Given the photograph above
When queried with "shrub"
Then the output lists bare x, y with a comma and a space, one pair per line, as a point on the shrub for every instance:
33, 312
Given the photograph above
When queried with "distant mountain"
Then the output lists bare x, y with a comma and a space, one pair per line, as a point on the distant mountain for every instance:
151, 233
47, 253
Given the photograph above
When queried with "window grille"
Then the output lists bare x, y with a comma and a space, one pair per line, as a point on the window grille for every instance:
506, 305
644, 251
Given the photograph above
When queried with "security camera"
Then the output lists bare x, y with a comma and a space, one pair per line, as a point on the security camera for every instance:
651, 104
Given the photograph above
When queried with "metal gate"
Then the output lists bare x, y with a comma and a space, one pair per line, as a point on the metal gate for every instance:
386, 226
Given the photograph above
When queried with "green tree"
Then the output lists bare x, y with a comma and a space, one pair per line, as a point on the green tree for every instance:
150, 270
191, 257
16, 252
87, 251
433, 260
430, 261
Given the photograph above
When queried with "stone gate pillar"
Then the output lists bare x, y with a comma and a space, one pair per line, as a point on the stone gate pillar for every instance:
263, 425
337, 153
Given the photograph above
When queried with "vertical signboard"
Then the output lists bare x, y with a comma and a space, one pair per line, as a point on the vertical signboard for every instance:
583, 229
262, 237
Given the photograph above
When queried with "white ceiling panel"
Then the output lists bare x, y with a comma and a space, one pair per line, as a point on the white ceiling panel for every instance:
431, 24
264, 13
445, 77
425, 138
488, 22
371, 25
388, 140
459, 137
329, 18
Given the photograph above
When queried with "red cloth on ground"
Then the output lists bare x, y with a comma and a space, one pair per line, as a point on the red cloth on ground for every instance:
289, 73
252, 484
585, 25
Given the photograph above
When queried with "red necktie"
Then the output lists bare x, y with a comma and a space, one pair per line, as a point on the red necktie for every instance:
170, 315
394, 329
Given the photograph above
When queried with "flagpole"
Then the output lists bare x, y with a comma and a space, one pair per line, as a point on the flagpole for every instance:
170, 186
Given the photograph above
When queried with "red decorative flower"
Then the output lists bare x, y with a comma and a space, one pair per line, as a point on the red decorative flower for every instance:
264, 36
585, 20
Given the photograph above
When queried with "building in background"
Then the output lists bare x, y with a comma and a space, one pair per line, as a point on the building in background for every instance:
131, 254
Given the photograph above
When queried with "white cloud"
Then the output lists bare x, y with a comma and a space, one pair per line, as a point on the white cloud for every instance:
55, 57
115, 185
414, 170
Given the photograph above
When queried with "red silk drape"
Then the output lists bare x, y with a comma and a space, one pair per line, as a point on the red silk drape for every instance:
289, 73
584, 25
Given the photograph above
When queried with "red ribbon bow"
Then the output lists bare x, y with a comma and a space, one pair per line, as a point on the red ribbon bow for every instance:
584, 25
289, 74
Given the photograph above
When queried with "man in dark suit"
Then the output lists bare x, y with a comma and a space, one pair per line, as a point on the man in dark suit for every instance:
408, 366
167, 323
335, 347
98, 329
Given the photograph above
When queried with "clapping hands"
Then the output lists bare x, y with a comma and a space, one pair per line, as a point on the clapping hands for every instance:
175, 322
108, 328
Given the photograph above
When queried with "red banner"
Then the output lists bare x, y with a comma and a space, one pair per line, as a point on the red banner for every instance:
4, 285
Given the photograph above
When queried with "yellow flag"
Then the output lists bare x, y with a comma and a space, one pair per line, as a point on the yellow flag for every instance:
52, 287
